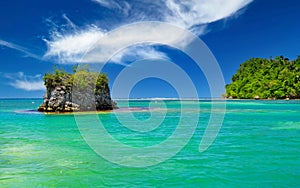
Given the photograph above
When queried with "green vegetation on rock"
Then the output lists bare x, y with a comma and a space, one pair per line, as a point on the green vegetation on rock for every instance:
82, 91
277, 78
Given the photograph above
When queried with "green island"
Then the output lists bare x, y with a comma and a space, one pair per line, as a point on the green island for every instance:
83, 90
260, 78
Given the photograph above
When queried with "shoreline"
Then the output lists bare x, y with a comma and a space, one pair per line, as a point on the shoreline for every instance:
265, 99
122, 109
142, 109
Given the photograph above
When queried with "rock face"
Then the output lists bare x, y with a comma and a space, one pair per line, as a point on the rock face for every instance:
60, 98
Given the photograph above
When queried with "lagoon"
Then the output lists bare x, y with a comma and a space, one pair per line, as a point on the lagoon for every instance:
258, 145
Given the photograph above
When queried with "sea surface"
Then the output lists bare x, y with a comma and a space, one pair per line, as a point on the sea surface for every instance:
258, 145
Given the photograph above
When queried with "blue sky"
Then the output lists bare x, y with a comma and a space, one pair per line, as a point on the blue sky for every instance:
36, 35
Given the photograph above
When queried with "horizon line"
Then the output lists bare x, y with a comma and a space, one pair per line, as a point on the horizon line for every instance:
139, 98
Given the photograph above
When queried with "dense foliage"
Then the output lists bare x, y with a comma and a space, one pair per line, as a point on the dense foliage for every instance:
276, 78
82, 79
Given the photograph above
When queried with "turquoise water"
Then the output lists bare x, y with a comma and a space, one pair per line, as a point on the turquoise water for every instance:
257, 146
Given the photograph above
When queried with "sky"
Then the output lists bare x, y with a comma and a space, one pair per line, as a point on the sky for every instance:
37, 35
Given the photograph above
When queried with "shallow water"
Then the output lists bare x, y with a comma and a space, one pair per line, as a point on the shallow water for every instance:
258, 145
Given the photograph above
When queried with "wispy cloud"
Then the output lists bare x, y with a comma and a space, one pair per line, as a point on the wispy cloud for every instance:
108, 4
19, 48
193, 15
70, 48
139, 52
24, 82
69, 22
186, 14
122, 6
28, 86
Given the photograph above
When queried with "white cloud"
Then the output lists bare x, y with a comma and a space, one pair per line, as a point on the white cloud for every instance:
189, 14
25, 82
28, 86
111, 4
193, 15
150, 33
18, 48
137, 53
122, 6
70, 48
70, 23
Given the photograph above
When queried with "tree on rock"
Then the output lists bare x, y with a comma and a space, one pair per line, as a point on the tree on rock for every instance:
82, 91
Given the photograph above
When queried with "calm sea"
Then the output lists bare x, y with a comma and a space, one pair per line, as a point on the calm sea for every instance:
257, 146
